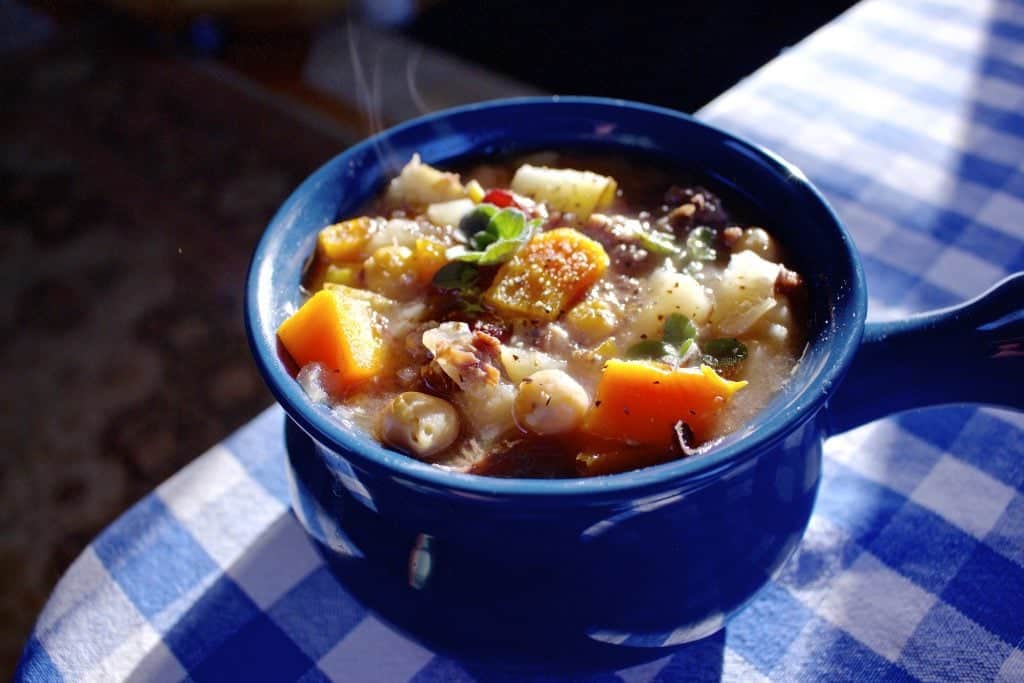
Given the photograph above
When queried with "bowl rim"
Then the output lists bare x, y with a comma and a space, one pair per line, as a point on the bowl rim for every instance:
321, 426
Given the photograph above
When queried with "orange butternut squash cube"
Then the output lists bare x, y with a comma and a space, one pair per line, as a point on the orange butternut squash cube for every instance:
640, 401
344, 241
338, 331
549, 274
429, 256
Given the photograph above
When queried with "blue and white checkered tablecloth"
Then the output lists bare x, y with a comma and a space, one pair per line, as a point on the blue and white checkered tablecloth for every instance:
909, 114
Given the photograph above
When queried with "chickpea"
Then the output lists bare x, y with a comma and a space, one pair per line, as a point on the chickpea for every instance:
550, 402
420, 424
390, 271
759, 242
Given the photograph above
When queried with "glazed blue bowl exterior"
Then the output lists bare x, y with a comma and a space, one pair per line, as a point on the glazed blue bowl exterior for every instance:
577, 573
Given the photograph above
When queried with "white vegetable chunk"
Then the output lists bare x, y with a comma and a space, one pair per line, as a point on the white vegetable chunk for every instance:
449, 213
745, 293
397, 232
550, 402
420, 424
421, 184
670, 292
565, 189
520, 363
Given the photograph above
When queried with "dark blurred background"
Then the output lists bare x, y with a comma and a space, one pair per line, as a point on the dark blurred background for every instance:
143, 147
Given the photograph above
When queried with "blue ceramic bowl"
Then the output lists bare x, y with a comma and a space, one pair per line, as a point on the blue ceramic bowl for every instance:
596, 572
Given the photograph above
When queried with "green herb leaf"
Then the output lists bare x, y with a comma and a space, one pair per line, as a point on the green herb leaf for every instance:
458, 275
505, 232
478, 219
483, 239
658, 243
504, 224
649, 348
724, 353
678, 329
507, 224
700, 244
496, 253
684, 348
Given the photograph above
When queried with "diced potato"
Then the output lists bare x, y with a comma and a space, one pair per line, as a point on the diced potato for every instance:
391, 271
520, 363
592, 320
344, 241
565, 189
429, 256
550, 402
449, 213
488, 409
381, 304
397, 232
420, 184
549, 274
641, 401
670, 292
337, 330
745, 293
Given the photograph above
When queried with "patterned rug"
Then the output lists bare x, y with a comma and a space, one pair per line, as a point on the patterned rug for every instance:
132, 192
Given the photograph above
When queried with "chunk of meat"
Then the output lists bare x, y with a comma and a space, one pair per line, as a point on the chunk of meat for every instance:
467, 357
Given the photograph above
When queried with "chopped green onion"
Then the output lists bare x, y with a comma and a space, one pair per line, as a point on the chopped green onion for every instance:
657, 243
724, 353
678, 329
650, 348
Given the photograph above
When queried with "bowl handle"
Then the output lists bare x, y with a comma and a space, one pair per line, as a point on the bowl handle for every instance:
971, 353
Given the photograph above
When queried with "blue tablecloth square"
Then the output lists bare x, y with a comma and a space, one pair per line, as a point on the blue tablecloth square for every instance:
222, 611
825, 552
763, 633
858, 505
923, 547
938, 426
153, 558
998, 247
318, 612
258, 450
1002, 461
1006, 534
36, 665
258, 652
837, 657
982, 588
700, 661
314, 675
929, 655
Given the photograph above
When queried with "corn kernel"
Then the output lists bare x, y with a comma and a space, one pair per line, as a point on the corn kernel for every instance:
475, 191
342, 275
592, 320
